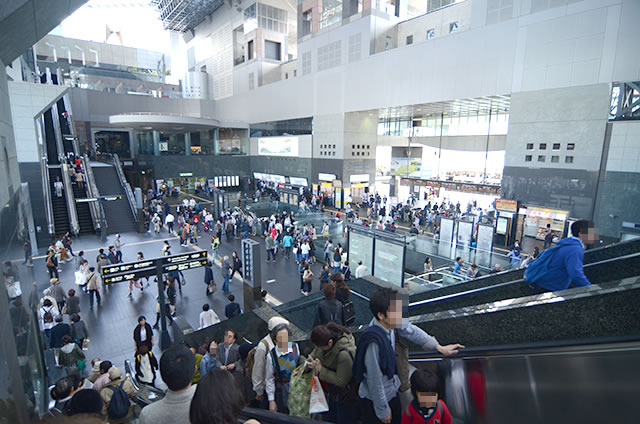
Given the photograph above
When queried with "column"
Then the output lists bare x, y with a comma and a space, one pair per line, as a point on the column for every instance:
156, 143
187, 144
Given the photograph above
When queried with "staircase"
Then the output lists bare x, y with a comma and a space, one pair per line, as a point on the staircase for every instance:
59, 204
118, 212
82, 210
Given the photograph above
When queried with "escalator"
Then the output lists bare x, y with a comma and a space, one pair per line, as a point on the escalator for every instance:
85, 220
592, 381
59, 204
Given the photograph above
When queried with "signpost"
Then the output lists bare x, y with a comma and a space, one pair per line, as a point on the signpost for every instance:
135, 270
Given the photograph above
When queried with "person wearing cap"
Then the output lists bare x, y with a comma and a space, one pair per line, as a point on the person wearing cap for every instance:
177, 367
57, 292
258, 377
103, 379
115, 380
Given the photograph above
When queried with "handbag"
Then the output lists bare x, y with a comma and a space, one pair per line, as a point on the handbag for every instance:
14, 290
212, 287
317, 400
80, 364
85, 344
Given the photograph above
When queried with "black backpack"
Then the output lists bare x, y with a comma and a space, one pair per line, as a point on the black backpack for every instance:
48, 316
119, 405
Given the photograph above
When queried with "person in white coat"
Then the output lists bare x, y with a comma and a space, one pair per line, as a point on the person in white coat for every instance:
207, 317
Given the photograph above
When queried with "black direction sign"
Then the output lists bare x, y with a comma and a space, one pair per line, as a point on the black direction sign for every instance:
146, 268
187, 257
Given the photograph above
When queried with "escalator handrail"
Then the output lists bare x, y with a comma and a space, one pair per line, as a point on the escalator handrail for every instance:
46, 181
125, 185
267, 417
92, 192
71, 201
508, 283
534, 348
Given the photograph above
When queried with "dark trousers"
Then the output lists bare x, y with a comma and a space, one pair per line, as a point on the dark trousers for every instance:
118, 256
70, 250
53, 272
340, 413
369, 414
97, 294
170, 225
238, 270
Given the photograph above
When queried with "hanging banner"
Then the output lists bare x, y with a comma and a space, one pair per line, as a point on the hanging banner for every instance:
338, 198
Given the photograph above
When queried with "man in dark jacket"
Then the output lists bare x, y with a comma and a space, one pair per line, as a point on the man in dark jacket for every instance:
232, 309
228, 354
329, 309
58, 331
208, 278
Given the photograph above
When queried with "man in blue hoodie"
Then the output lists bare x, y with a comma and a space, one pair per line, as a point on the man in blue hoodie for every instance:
566, 264
374, 367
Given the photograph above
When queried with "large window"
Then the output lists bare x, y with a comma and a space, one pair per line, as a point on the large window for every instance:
272, 50
172, 143
449, 125
278, 128
202, 142
232, 141
144, 143
113, 142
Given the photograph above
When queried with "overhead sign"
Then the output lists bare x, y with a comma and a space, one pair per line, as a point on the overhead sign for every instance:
298, 181
146, 268
360, 178
507, 205
186, 174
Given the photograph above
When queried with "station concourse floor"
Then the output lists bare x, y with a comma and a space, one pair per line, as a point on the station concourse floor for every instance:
111, 325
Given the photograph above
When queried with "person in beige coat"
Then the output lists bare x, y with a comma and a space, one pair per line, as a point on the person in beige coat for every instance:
93, 286
115, 375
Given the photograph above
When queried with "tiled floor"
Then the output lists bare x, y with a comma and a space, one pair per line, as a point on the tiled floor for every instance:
111, 325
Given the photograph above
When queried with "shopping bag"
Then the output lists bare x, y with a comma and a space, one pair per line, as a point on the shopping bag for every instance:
81, 279
212, 287
300, 392
317, 401
85, 344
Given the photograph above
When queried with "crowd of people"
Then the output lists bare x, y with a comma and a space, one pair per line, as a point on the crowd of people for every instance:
213, 382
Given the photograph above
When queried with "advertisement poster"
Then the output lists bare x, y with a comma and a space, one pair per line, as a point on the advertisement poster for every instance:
360, 249
388, 265
278, 146
406, 161
338, 198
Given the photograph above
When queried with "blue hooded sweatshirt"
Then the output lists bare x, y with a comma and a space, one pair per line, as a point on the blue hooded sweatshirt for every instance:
566, 266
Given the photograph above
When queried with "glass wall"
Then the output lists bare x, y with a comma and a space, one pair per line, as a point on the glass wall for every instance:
277, 128
113, 142
172, 143
144, 143
202, 142
232, 141
451, 125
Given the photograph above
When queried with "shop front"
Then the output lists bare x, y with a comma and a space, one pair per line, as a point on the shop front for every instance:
506, 222
359, 185
536, 220
325, 187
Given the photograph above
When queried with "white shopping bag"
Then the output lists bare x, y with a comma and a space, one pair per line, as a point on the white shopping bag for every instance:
318, 402
13, 289
81, 278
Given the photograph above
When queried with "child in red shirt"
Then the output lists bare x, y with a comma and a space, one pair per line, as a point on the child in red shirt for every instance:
425, 408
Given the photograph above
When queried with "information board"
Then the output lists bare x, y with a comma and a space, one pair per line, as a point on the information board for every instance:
146, 268
464, 232
485, 237
446, 230
360, 249
389, 261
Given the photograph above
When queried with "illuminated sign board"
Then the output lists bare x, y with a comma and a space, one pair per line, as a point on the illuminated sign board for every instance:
278, 146
136, 270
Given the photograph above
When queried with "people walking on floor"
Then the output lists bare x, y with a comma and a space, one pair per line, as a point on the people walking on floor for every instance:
226, 274
307, 278
270, 246
156, 223
232, 309
146, 366
93, 286
117, 244
208, 279
142, 334
78, 330
237, 265
73, 303
361, 270
215, 245
166, 248
57, 292
52, 263
168, 220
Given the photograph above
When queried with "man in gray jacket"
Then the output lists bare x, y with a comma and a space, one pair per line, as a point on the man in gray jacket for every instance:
375, 368
177, 367
228, 355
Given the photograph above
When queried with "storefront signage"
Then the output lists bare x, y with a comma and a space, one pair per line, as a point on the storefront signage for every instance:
298, 181
360, 178
507, 205
361, 185
186, 174
547, 213
326, 177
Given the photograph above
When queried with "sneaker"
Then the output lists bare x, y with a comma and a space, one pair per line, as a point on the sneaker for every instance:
130, 295
302, 291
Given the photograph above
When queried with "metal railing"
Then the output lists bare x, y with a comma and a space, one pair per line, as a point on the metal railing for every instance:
127, 188
92, 191
71, 202
46, 191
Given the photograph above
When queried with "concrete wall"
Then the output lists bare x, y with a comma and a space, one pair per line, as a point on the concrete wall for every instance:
438, 20
9, 172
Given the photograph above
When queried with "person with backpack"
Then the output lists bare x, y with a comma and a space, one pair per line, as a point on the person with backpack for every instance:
379, 375
426, 408
283, 358
256, 365
116, 396
48, 313
329, 309
333, 355
560, 266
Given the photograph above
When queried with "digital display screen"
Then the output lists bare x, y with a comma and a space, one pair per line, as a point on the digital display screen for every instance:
360, 249
278, 146
389, 260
